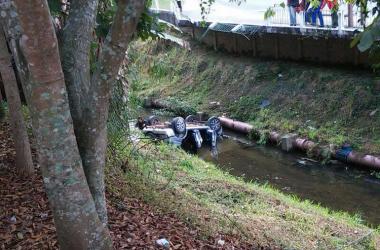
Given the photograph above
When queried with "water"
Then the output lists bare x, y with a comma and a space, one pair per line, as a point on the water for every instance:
334, 186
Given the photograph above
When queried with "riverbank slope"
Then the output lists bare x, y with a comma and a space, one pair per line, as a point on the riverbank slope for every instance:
328, 105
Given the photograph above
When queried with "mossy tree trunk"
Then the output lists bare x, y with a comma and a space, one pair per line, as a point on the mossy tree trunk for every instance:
24, 162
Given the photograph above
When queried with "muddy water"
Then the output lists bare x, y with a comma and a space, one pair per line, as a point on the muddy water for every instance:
334, 186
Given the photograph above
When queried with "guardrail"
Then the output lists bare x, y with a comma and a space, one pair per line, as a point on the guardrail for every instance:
282, 17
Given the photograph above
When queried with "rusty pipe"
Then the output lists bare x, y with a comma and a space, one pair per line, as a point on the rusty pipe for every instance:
237, 126
368, 161
303, 144
274, 137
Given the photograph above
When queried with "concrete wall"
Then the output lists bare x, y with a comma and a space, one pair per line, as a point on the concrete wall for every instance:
312, 46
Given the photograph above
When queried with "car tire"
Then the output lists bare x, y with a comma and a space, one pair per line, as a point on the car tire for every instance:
214, 123
191, 119
179, 126
153, 120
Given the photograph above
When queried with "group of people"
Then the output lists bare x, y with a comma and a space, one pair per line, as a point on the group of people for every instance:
313, 10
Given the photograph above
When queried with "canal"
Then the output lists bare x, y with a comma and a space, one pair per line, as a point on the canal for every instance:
334, 186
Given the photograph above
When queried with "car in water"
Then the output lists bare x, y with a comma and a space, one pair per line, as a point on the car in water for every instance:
189, 133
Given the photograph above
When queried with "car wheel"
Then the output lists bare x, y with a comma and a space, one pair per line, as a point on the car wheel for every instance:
214, 123
179, 126
191, 119
153, 120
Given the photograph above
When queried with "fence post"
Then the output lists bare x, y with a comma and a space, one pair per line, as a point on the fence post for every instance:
215, 40
157, 4
340, 21
302, 23
350, 16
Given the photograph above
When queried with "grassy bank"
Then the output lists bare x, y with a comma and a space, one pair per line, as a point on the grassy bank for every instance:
322, 103
205, 196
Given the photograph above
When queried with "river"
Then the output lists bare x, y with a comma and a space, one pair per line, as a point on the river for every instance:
334, 186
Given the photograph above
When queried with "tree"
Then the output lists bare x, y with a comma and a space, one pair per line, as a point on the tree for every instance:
68, 97
24, 162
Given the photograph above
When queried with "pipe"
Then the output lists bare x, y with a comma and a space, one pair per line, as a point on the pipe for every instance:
368, 161
344, 155
237, 126
274, 137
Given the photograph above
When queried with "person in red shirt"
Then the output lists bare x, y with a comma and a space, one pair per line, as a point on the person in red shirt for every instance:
334, 7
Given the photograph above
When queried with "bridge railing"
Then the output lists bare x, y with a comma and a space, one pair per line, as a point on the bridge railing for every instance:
281, 17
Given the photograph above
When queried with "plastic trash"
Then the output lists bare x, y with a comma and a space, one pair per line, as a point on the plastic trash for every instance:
163, 243
264, 103
13, 219
302, 162
221, 242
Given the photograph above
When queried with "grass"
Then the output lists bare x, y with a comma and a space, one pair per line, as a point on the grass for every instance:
325, 104
204, 195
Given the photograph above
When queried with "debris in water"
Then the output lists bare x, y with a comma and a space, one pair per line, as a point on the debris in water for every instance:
302, 162
308, 159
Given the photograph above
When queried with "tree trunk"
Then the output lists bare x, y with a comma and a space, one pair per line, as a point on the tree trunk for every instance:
11, 26
75, 55
2, 111
89, 99
24, 162
96, 108
77, 222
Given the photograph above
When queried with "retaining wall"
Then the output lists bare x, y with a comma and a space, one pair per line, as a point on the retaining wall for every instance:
312, 45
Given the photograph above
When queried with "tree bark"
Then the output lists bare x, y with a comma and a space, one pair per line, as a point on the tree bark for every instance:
89, 104
24, 162
75, 46
11, 26
96, 112
78, 225
2, 111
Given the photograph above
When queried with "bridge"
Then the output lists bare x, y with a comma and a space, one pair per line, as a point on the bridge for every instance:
274, 38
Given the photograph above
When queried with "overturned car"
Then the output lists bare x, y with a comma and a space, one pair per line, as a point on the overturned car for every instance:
190, 133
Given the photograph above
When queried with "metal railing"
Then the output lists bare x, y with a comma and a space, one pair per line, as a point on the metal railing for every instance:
281, 17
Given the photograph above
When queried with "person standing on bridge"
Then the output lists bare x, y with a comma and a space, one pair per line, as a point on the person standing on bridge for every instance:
179, 3
334, 7
316, 12
292, 5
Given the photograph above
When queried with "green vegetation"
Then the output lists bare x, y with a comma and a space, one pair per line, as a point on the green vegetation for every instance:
337, 102
325, 104
205, 196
